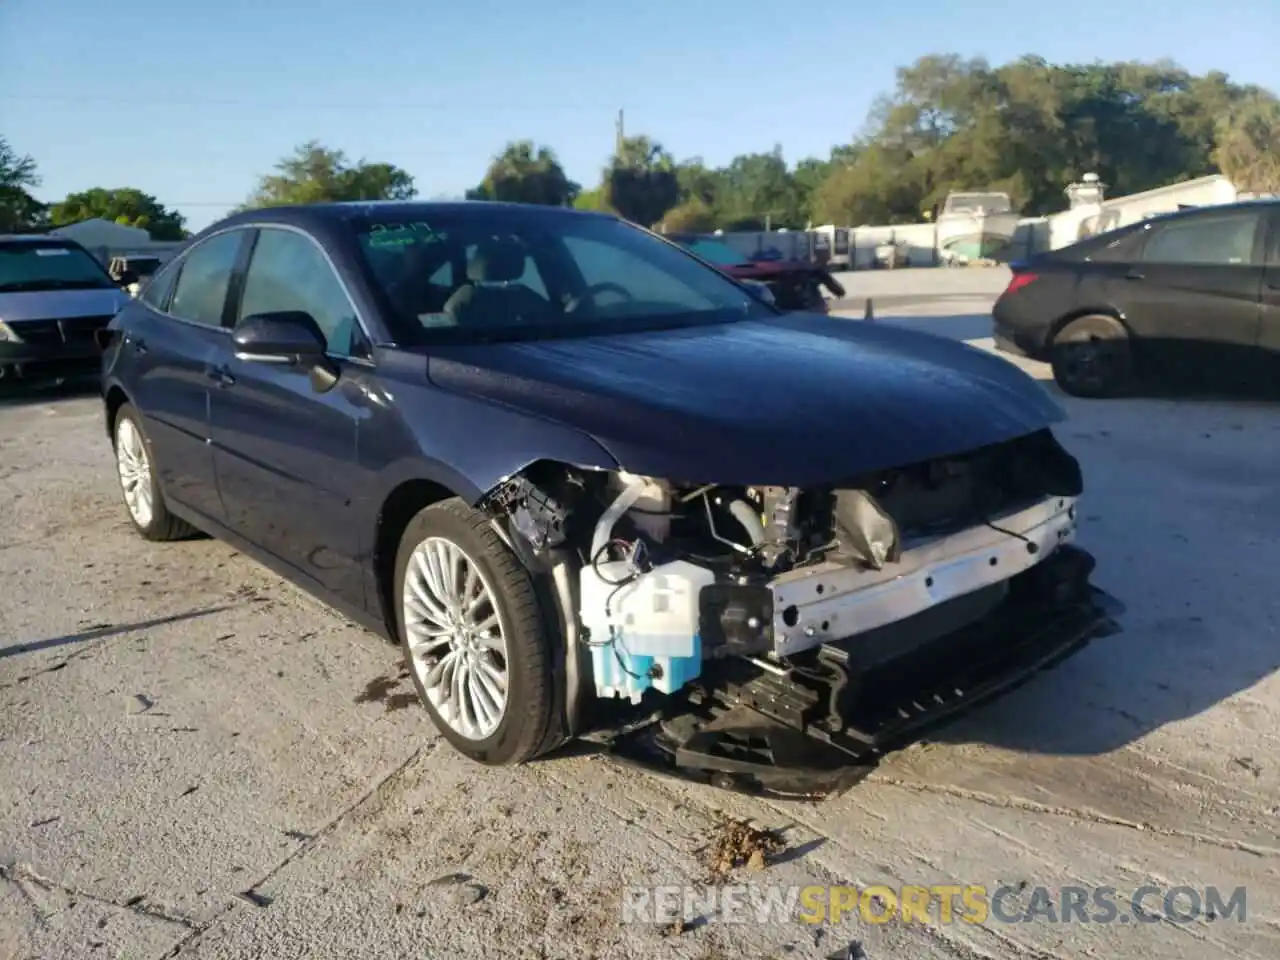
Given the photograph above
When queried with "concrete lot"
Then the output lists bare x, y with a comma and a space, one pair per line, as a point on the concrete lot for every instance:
197, 760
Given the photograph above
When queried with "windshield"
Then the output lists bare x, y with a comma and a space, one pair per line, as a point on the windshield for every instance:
530, 274
28, 266
716, 251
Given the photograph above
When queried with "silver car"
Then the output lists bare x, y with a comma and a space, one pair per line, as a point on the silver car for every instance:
54, 296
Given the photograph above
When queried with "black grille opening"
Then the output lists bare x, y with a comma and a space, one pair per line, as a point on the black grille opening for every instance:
81, 329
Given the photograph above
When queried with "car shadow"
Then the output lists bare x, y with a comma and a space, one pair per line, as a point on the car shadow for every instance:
104, 630
22, 393
1181, 516
1119, 689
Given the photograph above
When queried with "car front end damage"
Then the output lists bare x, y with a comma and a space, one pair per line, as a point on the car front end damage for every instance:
782, 639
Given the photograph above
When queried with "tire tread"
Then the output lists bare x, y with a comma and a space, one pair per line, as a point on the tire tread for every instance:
164, 526
539, 679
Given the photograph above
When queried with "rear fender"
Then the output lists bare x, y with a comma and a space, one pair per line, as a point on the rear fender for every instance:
1093, 311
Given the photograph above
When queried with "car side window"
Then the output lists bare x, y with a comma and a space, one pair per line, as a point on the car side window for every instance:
288, 271
1124, 248
1225, 239
155, 293
200, 293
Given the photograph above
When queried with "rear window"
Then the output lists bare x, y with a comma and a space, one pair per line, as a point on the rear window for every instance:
30, 266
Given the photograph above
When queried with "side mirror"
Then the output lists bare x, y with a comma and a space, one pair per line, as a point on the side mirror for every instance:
288, 338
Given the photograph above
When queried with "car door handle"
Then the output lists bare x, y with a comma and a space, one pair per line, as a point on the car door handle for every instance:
1134, 275
222, 376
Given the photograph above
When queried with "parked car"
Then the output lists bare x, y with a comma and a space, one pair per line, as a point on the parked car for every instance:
567, 465
792, 284
53, 296
1197, 288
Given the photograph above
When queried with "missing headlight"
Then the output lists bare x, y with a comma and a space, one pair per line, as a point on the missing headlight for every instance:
865, 530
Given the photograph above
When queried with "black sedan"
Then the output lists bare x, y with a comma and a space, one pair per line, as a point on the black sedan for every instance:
563, 462
1189, 292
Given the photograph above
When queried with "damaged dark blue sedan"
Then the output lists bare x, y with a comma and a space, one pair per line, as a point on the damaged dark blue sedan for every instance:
595, 487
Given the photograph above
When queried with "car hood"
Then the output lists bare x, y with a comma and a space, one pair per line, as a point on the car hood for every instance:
800, 400
60, 304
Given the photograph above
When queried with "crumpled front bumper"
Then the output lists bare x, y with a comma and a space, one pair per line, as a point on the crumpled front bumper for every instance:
828, 602
819, 722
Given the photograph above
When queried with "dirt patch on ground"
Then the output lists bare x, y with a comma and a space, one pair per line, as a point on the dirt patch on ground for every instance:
735, 844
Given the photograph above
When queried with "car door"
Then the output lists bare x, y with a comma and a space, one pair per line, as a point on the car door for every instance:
175, 343
1196, 283
1269, 321
285, 454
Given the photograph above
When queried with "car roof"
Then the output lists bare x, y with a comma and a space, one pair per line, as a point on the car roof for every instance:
319, 215
35, 238
1211, 208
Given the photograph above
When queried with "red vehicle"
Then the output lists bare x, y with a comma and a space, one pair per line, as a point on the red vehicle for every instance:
794, 284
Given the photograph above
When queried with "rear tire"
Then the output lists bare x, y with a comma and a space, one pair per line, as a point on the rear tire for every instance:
1092, 357
471, 626
143, 498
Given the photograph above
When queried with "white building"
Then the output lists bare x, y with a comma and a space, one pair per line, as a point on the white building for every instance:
1089, 213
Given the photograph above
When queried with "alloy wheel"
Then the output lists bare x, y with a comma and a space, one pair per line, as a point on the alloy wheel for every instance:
457, 645
134, 469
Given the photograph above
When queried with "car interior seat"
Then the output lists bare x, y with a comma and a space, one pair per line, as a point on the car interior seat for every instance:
492, 296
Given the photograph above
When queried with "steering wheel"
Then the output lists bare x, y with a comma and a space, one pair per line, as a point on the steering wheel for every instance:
596, 289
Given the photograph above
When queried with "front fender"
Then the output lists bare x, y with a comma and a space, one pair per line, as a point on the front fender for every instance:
466, 445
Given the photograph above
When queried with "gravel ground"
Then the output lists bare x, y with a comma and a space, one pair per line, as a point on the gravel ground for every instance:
198, 760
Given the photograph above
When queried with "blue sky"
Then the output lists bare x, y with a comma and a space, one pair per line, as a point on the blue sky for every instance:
191, 102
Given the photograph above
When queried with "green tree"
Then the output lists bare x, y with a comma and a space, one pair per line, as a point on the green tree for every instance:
877, 188
640, 182
810, 173
757, 190
316, 174
692, 216
697, 181
1248, 144
593, 199
124, 205
525, 173
1029, 128
19, 210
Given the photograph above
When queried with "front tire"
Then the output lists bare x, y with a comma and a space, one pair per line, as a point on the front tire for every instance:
138, 483
474, 637
1092, 357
